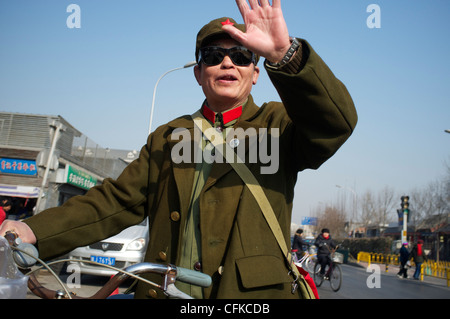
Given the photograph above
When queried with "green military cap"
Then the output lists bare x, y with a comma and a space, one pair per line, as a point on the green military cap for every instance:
213, 30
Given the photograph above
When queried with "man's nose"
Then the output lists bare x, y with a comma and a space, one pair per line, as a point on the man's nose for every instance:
227, 63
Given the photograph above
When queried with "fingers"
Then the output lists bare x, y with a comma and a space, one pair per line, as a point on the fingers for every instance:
276, 4
264, 3
253, 4
257, 3
23, 230
243, 7
235, 33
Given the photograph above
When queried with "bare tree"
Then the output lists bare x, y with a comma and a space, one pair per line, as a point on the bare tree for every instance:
447, 183
420, 206
430, 201
384, 207
333, 219
368, 210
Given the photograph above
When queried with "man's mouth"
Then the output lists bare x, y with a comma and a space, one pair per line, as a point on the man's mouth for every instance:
227, 78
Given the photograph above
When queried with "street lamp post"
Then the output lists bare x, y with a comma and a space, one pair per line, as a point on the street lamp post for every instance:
188, 65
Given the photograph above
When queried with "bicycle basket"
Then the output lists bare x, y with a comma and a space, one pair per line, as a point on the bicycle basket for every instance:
338, 258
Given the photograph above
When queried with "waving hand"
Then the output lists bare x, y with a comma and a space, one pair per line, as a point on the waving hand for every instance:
267, 33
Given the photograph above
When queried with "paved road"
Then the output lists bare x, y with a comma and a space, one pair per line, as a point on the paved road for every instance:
355, 278
354, 285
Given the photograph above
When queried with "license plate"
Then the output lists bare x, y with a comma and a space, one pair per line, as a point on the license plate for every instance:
110, 261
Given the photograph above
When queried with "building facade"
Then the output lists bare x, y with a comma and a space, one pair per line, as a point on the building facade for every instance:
44, 161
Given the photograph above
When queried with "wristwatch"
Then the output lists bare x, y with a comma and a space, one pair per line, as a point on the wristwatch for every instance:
295, 44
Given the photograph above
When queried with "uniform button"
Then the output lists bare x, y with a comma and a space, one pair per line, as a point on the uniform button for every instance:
234, 143
220, 270
152, 293
162, 255
175, 216
197, 266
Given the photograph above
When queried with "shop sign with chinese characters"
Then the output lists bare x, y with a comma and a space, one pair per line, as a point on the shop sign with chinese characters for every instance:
18, 166
79, 178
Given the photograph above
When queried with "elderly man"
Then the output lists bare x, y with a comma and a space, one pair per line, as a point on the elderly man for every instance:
202, 215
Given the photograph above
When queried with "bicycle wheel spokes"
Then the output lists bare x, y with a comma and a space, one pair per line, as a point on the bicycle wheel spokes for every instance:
318, 279
336, 278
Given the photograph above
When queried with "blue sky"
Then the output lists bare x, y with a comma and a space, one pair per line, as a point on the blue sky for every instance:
100, 78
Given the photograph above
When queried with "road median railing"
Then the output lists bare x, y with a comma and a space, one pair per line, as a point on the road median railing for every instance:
429, 268
439, 269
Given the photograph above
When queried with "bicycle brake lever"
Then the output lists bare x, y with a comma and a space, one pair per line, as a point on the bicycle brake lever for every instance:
174, 292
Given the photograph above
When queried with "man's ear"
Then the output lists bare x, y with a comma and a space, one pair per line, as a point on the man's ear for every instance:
255, 75
198, 74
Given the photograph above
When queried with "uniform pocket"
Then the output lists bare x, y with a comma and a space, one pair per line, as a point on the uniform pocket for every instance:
259, 271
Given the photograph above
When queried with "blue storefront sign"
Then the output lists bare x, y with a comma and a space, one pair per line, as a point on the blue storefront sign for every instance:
18, 166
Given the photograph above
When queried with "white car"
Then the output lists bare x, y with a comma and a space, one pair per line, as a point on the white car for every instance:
122, 250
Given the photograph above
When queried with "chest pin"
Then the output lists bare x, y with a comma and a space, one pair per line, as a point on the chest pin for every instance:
234, 143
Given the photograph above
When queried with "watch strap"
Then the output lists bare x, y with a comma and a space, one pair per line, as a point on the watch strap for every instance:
295, 44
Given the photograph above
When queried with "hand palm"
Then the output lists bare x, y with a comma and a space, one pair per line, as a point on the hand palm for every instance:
267, 33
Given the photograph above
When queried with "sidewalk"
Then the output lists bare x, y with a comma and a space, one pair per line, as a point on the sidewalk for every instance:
392, 270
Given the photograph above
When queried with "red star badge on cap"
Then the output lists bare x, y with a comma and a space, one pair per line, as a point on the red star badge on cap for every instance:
228, 22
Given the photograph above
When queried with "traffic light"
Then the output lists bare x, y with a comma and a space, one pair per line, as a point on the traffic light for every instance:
405, 204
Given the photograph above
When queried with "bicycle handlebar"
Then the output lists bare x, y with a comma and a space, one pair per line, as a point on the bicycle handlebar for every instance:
171, 274
193, 277
182, 274
25, 255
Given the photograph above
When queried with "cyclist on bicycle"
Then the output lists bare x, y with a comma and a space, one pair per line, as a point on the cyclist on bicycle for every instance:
203, 216
298, 244
324, 245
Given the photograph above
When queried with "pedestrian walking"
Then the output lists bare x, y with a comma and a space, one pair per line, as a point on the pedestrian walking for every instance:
404, 257
419, 256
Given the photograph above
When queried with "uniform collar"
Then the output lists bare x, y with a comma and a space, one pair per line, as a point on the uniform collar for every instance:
221, 118
249, 112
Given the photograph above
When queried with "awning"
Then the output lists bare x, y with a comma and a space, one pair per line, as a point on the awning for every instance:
19, 191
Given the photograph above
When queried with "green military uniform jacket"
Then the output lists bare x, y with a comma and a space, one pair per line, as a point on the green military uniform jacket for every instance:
238, 249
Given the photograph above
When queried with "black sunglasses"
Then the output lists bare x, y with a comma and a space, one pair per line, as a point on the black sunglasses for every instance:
239, 55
